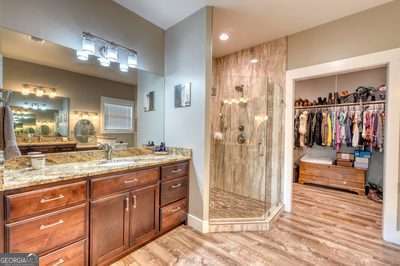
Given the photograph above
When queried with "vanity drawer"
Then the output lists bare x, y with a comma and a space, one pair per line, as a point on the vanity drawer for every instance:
173, 190
47, 232
104, 186
174, 171
73, 255
173, 215
36, 202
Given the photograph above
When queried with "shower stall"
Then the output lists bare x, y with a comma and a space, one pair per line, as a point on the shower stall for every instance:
247, 113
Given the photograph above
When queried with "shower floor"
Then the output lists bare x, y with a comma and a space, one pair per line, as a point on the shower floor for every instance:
230, 205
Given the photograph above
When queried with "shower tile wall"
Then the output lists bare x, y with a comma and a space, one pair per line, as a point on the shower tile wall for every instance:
249, 169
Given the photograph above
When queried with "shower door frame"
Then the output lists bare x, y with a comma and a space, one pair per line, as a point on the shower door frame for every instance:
391, 60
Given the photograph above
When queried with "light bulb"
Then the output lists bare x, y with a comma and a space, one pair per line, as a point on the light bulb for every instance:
53, 93
123, 67
88, 46
25, 89
132, 60
111, 53
254, 61
224, 36
82, 55
104, 61
39, 92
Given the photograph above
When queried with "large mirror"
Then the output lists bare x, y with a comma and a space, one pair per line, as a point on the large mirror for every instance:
58, 100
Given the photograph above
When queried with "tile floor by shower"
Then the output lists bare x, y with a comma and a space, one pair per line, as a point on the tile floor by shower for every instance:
224, 205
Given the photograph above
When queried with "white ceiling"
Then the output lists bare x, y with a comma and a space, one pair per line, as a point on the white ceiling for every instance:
250, 22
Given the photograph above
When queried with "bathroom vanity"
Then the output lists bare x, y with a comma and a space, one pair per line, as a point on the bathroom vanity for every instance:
95, 219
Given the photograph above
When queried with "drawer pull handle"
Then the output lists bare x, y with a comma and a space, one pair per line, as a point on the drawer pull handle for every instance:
45, 200
127, 204
43, 227
134, 201
131, 181
176, 171
176, 186
175, 209
58, 262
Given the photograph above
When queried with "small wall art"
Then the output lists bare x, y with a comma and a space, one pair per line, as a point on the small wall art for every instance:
183, 95
149, 101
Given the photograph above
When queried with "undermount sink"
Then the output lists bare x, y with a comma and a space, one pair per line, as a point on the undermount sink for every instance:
115, 162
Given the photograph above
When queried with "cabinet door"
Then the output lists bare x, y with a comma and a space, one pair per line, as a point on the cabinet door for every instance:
109, 227
144, 214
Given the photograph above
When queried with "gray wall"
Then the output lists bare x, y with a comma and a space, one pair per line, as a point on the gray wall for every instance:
84, 91
150, 125
363, 33
63, 21
188, 58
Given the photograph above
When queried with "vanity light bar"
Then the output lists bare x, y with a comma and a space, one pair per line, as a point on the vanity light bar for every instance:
107, 52
38, 90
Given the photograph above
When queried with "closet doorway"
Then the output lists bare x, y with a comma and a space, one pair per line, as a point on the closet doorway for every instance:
338, 154
321, 168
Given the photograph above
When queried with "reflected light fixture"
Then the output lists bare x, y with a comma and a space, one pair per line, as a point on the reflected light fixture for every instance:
224, 36
254, 61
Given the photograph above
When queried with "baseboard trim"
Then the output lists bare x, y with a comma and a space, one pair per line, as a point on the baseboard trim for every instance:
197, 224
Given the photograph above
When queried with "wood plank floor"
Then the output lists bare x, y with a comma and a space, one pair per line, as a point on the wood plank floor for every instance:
327, 227
225, 204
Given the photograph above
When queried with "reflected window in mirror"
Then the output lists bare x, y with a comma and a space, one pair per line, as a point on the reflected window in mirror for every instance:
117, 116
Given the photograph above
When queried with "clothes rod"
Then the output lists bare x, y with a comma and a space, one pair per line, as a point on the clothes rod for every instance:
339, 105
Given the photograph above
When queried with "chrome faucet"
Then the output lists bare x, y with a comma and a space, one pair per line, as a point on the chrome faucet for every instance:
108, 149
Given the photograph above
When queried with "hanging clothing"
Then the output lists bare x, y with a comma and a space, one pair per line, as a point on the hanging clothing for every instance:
309, 136
329, 139
348, 125
324, 128
317, 133
380, 131
296, 130
303, 127
356, 129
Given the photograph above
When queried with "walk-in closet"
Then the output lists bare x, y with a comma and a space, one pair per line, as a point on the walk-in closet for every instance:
339, 129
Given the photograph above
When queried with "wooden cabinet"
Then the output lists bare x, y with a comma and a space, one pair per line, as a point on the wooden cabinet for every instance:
127, 209
72, 255
27, 204
109, 234
144, 214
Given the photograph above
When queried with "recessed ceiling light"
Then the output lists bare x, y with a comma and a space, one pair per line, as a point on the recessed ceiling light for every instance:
224, 36
254, 61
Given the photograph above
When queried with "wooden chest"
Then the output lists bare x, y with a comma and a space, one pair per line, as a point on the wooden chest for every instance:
335, 176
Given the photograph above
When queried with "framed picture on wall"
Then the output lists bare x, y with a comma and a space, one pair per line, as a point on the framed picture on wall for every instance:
183, 95
149, 102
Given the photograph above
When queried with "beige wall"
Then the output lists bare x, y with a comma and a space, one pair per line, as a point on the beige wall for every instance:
63, 21
311, 89
84, 91
367, 32
188, 56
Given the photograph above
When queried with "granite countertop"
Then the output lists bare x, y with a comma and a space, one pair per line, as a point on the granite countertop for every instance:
27, 177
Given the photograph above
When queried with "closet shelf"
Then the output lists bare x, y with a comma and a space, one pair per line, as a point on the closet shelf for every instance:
338, 105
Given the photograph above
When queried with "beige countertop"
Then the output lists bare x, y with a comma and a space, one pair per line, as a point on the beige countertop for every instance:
27, 177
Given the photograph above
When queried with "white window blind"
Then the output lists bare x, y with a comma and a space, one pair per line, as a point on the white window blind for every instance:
117, 115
